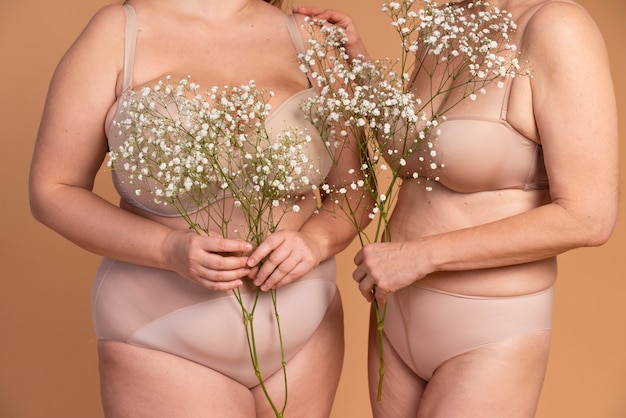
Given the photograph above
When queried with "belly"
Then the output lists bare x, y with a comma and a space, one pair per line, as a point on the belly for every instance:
420, 213
160, 310
222, 218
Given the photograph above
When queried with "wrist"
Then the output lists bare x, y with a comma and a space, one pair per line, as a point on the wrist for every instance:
168, 243
315, 242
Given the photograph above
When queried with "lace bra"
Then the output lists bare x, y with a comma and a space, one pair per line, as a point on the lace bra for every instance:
287, 114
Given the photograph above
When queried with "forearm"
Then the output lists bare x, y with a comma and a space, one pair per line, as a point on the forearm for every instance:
338, 221
100, 227
331, 232
541, 233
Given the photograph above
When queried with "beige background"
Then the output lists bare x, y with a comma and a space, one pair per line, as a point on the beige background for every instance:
48, 365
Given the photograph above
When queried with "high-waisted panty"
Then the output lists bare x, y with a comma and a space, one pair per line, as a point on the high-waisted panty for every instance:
427, 326
160, 310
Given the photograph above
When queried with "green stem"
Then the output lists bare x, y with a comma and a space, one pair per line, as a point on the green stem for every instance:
248, 321
282, 348
380, 321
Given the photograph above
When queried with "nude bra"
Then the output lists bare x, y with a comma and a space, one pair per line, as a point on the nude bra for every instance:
482, 154
287, 114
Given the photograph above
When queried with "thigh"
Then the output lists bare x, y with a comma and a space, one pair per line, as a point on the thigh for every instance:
312, 374
142, 383
402, 389
502, 379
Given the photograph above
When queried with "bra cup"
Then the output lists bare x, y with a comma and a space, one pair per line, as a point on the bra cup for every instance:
482, 154
287, 116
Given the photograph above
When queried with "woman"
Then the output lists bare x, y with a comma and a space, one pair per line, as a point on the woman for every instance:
469, 276
171, 336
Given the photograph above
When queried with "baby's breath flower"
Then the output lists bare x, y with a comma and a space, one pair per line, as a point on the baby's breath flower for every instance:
209, 140
368, 106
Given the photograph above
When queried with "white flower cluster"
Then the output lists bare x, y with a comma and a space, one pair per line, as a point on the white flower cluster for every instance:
452, 46
190, 149
477, 32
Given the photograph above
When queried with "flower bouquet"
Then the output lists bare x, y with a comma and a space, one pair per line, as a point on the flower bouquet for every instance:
211, 156
445, 48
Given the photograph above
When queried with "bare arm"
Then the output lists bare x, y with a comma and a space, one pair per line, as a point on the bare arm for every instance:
287, 255
574, 105
70, 149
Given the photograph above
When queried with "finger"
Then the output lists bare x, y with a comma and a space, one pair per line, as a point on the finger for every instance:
226, 275
222, 245
358, 258
270, 244
273, 265
381, 297
214, 268
301, 269
220, 285
308, 10
329, 15
335, 18
265, 270
288, 271
366, 289
358, 274
219, 262
253, 272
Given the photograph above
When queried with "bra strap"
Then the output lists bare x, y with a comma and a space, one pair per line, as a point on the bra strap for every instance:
523, 20
296, 38
130, 41
294, 32
508, 85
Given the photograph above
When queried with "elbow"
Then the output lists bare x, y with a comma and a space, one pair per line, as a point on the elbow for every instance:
598, 230
600, 234
37, 201
590, 224
36, 207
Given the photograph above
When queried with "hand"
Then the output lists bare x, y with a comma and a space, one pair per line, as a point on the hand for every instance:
206, 260
354, 46
383, 268
282, 258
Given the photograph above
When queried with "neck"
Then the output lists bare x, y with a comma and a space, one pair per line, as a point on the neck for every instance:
217, 9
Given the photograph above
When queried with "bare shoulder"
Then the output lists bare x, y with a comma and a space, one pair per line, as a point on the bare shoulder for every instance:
101, 41
570, 65
560, 23
108, 22
96, 56
562, 32
110, 14
103, 32
561, 11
